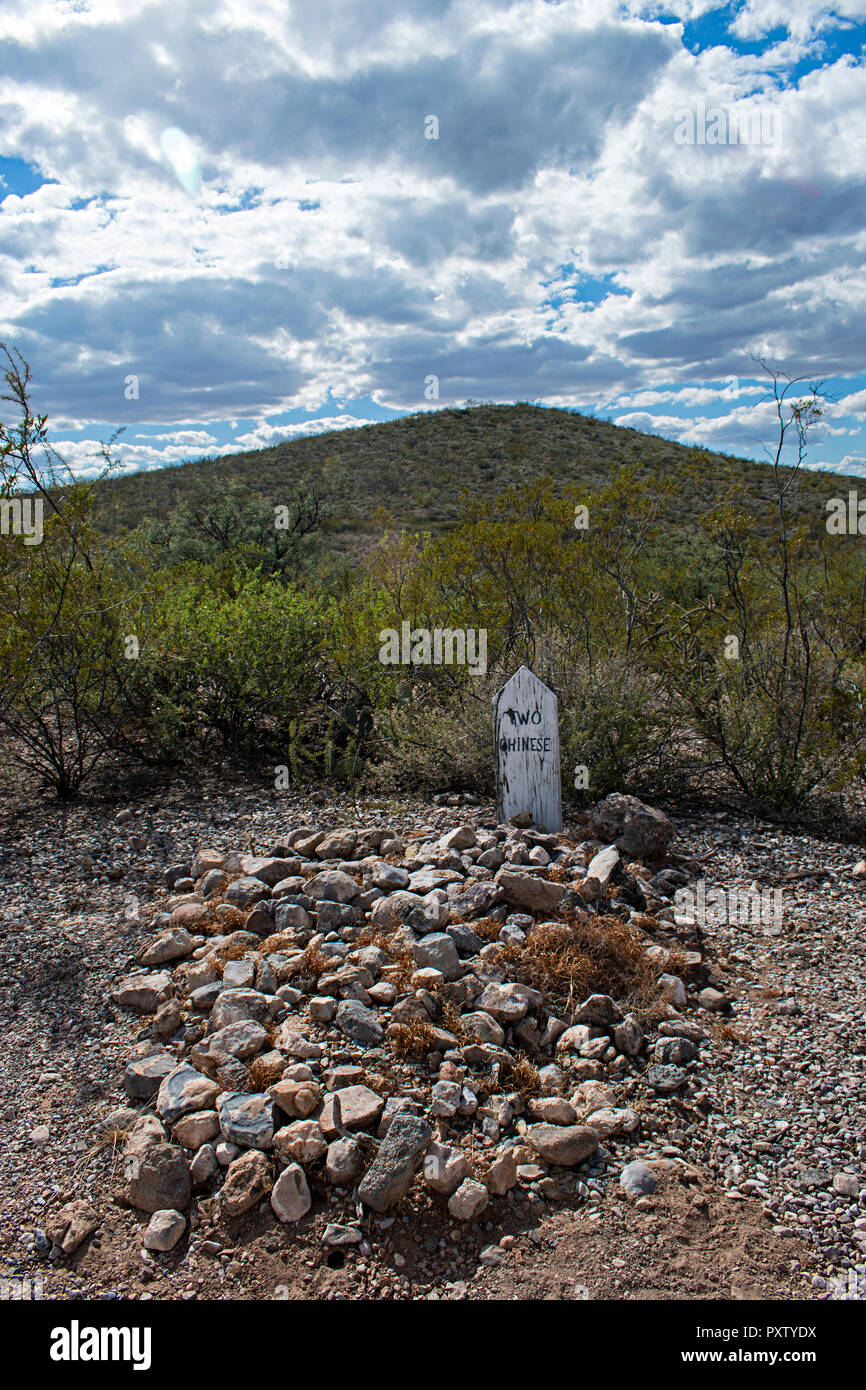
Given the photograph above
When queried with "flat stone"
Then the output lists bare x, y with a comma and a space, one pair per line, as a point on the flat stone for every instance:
164, 1230
290, 1195
358, 1022
168, 945
566, 1145
248, 1180
359, 1108
183, 1091
246, 1120
144, 1075
269, 869
143, 993
390, 1175
243, 1039
530, 892
71, 1225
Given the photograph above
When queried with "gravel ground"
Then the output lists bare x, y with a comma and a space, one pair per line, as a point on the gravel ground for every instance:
780, 1124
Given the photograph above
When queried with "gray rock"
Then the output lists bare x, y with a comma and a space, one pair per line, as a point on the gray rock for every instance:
247, 1120
394, 910
637, 1179
674, 1050
332, 885
358, 1022
290, 916
468, 942
144, 1075
389, 877
664, 1079
242, 1039
390, 1176
290, 1196
336, 1235
270, 869
344, 1162
168, 945
638, 831
602, 865
437, 951
164, 1230
483, 1028
143, 993
183, 1091
566, 1145
628, 1036
469, 1201
155, 1178
530, 892
506, 1003
598, 1011
235, 1005
246, 891
239, 974
248, 1180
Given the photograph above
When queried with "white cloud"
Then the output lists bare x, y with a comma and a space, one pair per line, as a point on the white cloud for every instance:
333, 253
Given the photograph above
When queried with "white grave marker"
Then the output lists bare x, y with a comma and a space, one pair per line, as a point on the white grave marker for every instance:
526, 731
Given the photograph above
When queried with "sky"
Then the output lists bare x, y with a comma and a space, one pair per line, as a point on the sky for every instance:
225, 224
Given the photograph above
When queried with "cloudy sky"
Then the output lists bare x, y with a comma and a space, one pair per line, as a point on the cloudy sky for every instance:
224, 223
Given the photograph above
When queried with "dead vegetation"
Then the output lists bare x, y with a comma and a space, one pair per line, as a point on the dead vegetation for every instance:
567, 961
415, 1039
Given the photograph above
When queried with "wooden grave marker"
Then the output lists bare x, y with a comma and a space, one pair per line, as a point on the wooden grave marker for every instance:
526, 733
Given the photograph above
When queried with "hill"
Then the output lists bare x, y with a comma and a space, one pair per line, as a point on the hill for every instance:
416, 468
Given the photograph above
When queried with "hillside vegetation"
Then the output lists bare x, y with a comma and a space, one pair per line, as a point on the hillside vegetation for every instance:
415, 469
699, 624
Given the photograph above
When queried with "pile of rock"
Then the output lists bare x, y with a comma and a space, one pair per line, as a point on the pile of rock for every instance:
338, 1015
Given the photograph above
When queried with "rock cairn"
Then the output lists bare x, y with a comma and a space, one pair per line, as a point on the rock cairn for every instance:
354, 1013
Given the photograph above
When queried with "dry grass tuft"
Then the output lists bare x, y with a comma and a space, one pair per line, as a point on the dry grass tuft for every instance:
567, 961
519, 1074
415, 1039
315, 963
488, 928
266, 1070
280, 941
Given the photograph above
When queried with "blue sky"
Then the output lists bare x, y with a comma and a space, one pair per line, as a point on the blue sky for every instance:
223, 225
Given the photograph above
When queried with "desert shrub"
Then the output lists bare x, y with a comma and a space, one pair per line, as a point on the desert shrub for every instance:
68, 609
240, 665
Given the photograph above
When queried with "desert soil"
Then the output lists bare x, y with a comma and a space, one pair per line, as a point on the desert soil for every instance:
770, 1202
